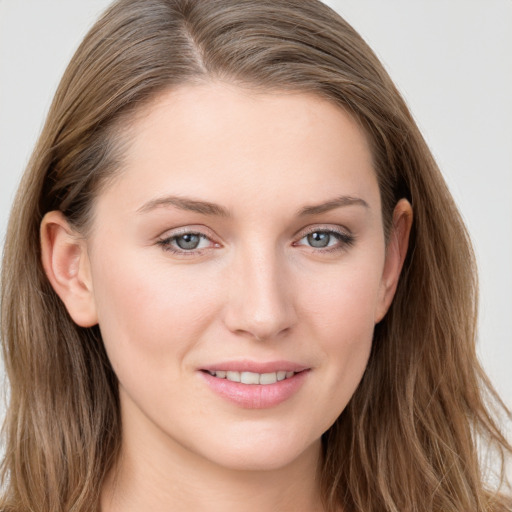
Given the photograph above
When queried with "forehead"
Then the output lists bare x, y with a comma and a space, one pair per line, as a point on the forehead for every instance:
223, 143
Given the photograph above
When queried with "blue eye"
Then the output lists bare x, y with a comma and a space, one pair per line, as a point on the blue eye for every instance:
186, 243
319, 239
327, 239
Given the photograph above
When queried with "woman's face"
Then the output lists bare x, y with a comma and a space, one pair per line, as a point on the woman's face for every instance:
242, 240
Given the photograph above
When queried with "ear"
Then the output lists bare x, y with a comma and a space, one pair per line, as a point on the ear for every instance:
396, 251
66, 263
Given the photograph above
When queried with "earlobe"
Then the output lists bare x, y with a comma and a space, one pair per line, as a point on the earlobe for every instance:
396, 252
66, 263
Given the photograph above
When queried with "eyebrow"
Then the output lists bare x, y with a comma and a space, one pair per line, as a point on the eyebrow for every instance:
208, 208
332, 205
185, 203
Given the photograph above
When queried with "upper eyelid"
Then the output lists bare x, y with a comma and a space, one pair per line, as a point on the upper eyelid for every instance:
185, 230
301, 233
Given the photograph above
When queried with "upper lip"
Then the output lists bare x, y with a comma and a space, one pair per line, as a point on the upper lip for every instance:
255, 366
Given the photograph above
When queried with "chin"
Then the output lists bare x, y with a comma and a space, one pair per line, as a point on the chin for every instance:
263, 453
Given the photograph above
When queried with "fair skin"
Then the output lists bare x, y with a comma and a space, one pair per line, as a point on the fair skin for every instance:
244, 233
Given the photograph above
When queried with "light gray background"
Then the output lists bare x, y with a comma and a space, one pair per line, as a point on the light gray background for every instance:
452, 60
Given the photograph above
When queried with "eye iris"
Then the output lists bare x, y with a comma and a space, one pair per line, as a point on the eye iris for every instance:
319, 239
188, 241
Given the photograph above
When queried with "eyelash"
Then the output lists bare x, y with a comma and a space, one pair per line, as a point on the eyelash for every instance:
166, 243
345, 240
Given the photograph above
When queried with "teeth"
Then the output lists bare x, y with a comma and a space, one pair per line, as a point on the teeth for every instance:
251, 377
268, 378
233, 376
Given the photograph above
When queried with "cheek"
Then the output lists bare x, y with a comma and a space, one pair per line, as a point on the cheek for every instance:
349, 324
344, 300
149, 312
341, 309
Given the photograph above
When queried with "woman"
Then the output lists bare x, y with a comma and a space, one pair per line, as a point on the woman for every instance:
235, 277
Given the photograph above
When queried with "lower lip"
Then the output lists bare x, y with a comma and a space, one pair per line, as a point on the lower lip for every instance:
256, 396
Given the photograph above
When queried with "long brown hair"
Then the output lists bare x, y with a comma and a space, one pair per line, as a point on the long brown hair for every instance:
407, 441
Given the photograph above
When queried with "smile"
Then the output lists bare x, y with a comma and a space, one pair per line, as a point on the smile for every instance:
240, 386
252, 377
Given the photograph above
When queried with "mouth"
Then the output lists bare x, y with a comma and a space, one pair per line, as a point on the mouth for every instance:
252, 378
253, 385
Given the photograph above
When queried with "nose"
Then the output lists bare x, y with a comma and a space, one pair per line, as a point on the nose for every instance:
261, 302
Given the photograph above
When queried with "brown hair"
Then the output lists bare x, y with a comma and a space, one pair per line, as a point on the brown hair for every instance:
407, 441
